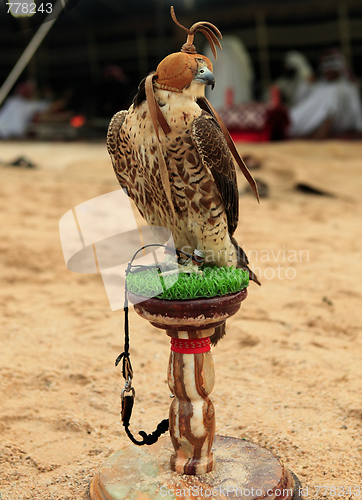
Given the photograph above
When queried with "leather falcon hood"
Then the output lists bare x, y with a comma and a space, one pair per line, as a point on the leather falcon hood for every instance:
177, 70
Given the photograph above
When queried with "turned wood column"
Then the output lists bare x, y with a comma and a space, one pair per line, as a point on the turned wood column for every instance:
192, 415
190, 323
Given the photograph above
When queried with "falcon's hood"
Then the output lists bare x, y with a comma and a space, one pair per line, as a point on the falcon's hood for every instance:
177, 70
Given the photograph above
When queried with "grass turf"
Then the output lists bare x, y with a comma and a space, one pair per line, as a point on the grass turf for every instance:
214, 282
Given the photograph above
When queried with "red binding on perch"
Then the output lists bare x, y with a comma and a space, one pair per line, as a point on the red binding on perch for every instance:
190, 346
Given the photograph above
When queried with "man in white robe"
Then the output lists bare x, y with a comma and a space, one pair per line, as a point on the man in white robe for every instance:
19, 110
333, 105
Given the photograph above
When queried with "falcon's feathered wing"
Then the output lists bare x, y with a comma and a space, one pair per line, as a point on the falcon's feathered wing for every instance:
201, 172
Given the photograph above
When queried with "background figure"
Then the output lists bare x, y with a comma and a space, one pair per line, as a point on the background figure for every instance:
333, 105
234, 74
19, 110
295, 81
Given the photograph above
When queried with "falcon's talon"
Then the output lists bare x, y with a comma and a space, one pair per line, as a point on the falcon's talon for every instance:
170, 273
187, 268
169, 262
168, 269
190, 268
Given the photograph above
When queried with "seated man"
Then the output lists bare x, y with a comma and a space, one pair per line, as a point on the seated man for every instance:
23, 107
333, 105
19, 110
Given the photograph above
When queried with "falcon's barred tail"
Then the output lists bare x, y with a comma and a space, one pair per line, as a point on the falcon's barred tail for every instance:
243, 261
218, 334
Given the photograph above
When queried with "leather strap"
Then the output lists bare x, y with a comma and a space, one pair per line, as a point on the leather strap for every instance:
155, 110
162, 120
158, 119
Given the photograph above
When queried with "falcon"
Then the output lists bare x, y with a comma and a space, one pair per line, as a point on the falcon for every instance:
174, 157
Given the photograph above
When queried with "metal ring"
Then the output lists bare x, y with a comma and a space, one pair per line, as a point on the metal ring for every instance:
199, 253
131, 389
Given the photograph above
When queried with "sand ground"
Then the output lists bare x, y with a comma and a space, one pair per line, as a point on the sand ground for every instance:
288, 373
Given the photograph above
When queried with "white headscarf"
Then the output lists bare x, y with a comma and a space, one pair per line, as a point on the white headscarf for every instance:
299, 62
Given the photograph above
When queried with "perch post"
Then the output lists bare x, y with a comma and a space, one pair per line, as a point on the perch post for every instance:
190, 323
196, 464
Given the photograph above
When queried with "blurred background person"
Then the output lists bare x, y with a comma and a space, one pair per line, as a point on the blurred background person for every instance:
233, 72
25, 107
333, 105
19, 110
245, 118
295, 82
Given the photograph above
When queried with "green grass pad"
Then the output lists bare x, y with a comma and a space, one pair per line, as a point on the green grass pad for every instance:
214, 282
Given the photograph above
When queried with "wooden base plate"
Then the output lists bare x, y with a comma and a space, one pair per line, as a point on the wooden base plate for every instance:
244, 471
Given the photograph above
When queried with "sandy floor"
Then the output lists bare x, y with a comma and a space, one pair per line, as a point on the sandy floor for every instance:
288, 373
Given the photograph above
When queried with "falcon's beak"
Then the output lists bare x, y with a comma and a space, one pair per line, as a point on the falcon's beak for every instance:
205, 76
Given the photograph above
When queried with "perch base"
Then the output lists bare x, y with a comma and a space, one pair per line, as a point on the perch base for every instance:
244, 471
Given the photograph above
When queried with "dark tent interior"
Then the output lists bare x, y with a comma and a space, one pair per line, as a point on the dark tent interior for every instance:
134, 36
